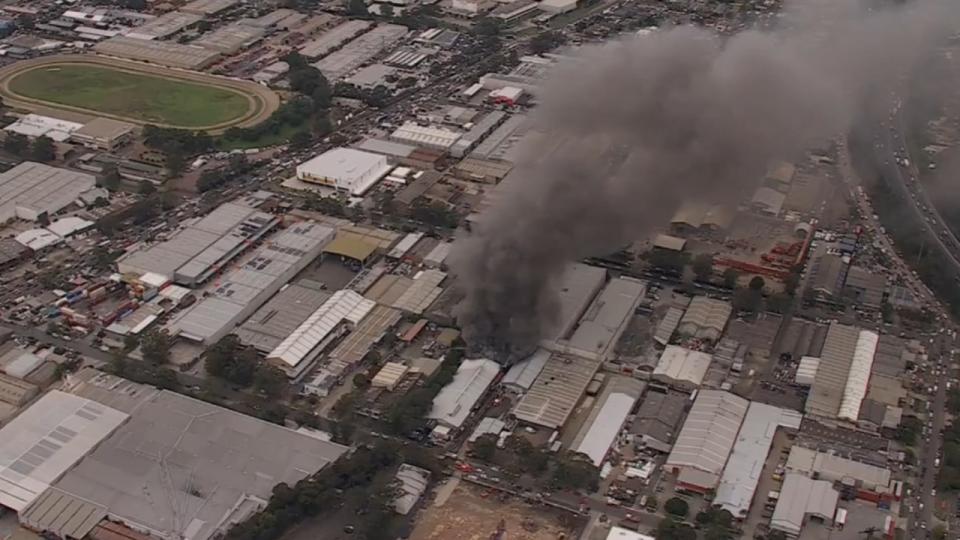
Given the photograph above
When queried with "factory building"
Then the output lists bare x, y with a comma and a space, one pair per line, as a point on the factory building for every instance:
36, 125
162, 53
801, 499
208, 7
706, 440
604, 321
741, 476
282, 314
607, 418
682, 368
217, 466
425, 136
705, 318
456, 400
300, 350
103, 134
165, 25
870, 480
346, 169
230, 39
45, 441
333, 39
556, 390
33, 191
241, 292
480, 130
843, 373
340, 63
201, 249
412, 484
657, 421
351, 350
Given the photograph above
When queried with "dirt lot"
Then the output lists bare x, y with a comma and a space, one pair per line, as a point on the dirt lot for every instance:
468, 515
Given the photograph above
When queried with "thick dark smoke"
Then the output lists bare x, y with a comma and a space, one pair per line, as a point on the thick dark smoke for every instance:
631, 129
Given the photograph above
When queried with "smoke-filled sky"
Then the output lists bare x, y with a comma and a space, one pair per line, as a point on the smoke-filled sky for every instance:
637, 126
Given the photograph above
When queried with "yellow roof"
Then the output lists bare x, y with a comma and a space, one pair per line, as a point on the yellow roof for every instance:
352, 245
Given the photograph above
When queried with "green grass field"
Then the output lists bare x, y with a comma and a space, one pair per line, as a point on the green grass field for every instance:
136, 96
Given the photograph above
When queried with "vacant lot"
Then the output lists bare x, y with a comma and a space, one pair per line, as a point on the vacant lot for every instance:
472, 514
137, 96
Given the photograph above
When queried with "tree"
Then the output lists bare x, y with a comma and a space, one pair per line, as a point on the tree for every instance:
575, 472
386, 11
42, 149
300, 140
110, 177
269, 380
779, 303
485, 447
155, 346
16, 143
747, 300
361, 381
130, 342
546, 42
652, 502
175, 164
730, 276
939, 532
486, 27
146, 188
677, 507
757, 283
357, 8
703, 266
670, 529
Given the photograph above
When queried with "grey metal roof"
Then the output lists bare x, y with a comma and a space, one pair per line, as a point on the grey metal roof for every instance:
357, 52
245, 289
659, 417
165, 53
523, 373
331, 39
40, 188
604, 321
556, 390
183, 468
708, 435
826, 394
741, 476
576, 289
281, 315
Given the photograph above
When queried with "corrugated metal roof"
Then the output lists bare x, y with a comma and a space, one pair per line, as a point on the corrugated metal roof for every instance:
708, 435
668, 325
556, 391
453, 404
684, 365
800, 496
743, 470
63, 514
342, 306
523, 373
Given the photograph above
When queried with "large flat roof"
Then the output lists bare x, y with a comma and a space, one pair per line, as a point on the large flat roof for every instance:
164, 53
607, 417
164, 25
742, 473
31, 189
201, 246
604, 321
556, 390
453, 404
281, 315
709, 433
184, 468
800, 496
333, 38
260, 276
574, 292
357, 52
836, 358
44, 441
683, 365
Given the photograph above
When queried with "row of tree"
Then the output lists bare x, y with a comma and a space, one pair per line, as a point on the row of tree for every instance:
41, 149
234, 362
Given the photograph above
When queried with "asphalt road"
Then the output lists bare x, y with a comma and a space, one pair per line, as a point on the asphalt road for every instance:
940, 356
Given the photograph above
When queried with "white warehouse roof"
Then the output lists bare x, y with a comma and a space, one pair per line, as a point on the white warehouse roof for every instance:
31, 189
800, 496
856, 387
807, 370
345, 305
742, 473
46, 440
38, 239
607, 420
708, 435
683, 365
430, 137
347, 169
452, 405
35, 125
